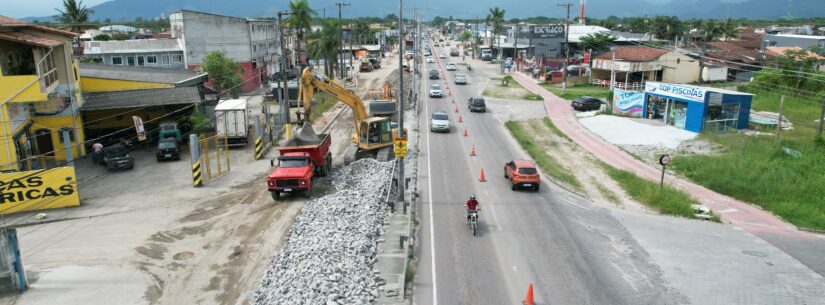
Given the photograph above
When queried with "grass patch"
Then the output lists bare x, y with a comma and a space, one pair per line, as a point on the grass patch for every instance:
554, 129
667, 201
757, 170
325, 102
607, 193
544, 161
574, 92
532, 97
513, 90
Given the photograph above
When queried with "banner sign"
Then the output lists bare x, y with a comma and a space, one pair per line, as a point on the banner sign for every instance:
676, 91
626, 66
628, 103
141, 132
38, 190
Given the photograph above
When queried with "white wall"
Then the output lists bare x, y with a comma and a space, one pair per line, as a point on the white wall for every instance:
679, 68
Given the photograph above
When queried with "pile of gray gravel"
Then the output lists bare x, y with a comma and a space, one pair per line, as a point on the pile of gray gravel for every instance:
330, 251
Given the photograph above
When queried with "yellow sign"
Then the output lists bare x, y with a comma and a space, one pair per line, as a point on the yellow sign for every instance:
38, 190
400, 147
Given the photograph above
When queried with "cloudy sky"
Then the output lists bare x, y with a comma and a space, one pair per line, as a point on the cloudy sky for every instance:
35, 8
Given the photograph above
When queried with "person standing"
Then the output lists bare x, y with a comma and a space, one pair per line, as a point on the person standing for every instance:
97, 149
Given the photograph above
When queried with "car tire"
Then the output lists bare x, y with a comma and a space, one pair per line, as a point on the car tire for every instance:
157, 158
513, 187
275, 195
130, 167
536, 188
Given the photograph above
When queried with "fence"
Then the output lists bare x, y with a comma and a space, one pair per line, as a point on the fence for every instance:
214, 157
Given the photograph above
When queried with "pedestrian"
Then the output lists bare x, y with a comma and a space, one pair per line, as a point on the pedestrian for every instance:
97, 148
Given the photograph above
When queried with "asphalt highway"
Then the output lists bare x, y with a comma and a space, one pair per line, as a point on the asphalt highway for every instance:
573, 251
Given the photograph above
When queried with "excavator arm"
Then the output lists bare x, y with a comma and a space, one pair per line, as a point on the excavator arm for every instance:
309, 82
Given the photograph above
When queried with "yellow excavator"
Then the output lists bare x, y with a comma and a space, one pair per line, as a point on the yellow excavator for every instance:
373, 136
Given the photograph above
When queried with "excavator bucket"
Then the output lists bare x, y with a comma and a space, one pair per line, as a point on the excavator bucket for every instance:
307, 134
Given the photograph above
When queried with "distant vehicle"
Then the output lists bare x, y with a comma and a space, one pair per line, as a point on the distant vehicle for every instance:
231, 121
477, 104
375, 61
427, 52
447, 43
454, 52
460, 79
486, 54
586, 103
117, 157
440, 121
433, 74
451, 67
435, 91
299, 162
430, 59
168, 149
522, 174
442, 55
440, 39
169, 129
435, 44
365, 67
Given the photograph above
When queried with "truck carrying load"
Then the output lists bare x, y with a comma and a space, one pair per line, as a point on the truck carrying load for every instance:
301, 159
231, 121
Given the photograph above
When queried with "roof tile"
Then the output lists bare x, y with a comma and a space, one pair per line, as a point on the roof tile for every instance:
635, 54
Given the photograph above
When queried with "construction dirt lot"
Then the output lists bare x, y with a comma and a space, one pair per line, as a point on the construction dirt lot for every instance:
147, 236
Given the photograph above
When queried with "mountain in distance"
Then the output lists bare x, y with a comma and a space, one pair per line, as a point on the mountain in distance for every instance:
127, 10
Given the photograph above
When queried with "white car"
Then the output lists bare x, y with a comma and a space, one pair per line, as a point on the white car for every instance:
451, 67
430, 59
435, 91
460, 79
440, 121
442, 55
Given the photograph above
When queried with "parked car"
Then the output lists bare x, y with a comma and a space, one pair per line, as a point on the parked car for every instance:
477, 104
451, 67
586, 103
433, 74
440, 121
117, 157
430, 59
454, 52
168, 149
435, 91
460, 79
522, 174
447, 43
365, 67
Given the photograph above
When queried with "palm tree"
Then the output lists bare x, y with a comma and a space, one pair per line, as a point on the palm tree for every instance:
667, 27
496, 18
361, 30
710, 30
74, 16
300, 21
728, 29
324, 43
487, 29
598, 42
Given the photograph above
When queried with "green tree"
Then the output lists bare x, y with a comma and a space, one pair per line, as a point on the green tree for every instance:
361, 30
466, 35
667, 27
728, 29
120, 37
324, 44
710, 30
74, 16
598, 42
496, 17
300, 21
103, 37
224, 72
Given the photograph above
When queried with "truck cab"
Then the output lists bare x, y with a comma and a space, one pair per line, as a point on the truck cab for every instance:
169, 130
293, 174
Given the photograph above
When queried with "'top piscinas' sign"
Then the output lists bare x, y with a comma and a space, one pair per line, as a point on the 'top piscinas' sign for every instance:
38, 190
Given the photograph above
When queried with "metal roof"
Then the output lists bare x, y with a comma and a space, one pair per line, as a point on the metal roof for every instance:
132, 46
140, 98
177, 77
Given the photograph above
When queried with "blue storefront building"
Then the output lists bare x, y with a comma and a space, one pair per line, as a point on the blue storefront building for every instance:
695, 108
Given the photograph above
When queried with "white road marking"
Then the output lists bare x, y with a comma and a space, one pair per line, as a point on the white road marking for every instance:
432, 219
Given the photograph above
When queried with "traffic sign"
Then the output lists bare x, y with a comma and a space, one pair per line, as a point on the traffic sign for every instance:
400, 147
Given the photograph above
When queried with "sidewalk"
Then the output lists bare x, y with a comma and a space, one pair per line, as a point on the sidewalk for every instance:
801, 245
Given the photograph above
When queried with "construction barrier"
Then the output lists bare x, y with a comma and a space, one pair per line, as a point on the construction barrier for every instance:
196, 173
214, 157
259, 147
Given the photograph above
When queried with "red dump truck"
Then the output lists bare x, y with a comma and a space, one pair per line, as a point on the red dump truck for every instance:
301, 159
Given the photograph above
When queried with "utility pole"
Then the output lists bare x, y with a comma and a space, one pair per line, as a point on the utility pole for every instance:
341, 37
515, 46
701, 63
821, 119
566, 46
475, 40
284, 95
612, 69
779, 120
401, 180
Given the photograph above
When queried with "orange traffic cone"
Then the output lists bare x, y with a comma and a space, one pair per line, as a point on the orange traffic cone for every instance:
459, 118
473, 151
482, 179
456, 109
465, 132
528, 300
450, 92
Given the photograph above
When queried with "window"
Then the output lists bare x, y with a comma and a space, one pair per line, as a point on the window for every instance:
117, 60
151, 59
140, 60
164, 59
60, 134
177, 58
130, 60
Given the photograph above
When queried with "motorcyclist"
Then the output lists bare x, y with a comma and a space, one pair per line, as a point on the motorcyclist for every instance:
472, 205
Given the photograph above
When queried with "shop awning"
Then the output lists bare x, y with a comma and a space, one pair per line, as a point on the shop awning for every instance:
140, 98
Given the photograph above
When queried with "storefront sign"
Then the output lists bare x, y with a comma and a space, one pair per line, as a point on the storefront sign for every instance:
628, 103
38, 190
676, 91
626, 66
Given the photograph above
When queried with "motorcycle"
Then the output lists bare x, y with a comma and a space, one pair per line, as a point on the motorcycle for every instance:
472, 220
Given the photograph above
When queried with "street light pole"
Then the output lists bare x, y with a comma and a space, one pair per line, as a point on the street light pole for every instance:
566, 47
284, 96
341, 37
402, 181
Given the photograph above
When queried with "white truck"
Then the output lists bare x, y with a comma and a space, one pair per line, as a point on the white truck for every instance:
231, 121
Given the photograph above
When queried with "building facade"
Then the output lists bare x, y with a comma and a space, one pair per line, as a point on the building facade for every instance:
794, 40
160, 53
253, 44
39, 97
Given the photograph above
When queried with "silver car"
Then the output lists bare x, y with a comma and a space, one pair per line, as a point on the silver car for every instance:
451, 67
435, 91
440, 122
460, 79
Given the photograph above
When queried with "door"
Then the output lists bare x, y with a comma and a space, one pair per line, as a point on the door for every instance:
45, 146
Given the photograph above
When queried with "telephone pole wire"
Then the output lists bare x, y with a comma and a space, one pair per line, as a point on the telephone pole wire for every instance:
566, 47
